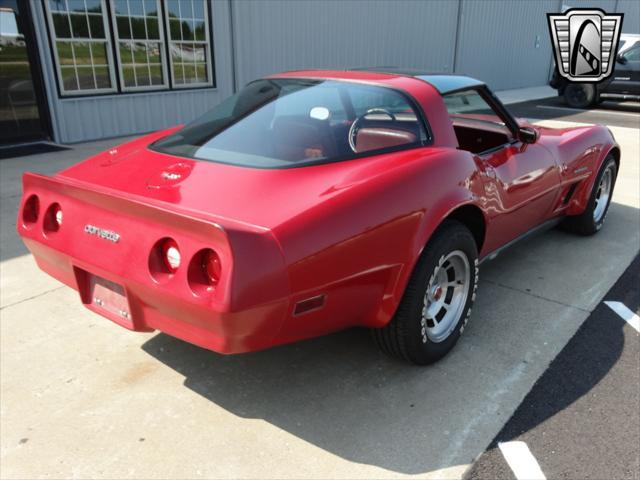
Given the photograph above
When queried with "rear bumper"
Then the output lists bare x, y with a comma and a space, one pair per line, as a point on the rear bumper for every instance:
245, 311
150, 308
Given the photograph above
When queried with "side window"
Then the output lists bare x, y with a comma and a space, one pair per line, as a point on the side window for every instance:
470, 103
477, 126
633, 54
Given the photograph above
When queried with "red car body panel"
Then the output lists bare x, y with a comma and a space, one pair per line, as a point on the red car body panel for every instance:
344, 236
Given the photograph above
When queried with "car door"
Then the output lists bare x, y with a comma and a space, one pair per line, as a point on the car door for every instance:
626, 74
521, 180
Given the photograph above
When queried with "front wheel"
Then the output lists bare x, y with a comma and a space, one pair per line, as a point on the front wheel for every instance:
592, 219
437, 301
579, 95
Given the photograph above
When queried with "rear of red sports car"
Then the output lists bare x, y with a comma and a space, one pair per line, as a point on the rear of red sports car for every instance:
175, 231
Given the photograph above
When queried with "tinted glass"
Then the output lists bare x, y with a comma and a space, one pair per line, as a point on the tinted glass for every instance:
470, 105
293, 122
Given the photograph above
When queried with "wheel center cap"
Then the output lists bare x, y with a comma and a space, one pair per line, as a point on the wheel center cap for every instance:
436, 292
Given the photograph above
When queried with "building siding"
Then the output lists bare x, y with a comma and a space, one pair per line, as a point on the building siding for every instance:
283, 35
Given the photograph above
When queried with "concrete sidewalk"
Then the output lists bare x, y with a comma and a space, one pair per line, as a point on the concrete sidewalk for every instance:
82, 397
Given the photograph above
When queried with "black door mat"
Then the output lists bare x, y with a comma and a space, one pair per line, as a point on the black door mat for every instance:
29, 149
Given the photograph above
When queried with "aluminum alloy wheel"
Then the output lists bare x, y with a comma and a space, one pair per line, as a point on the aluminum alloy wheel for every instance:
445, 297
603, 195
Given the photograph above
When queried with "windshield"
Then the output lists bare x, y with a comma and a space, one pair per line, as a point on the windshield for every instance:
276, 123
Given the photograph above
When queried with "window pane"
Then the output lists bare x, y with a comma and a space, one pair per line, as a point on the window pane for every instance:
139, 53
175, 30
96, 26
189, 73
152, 28
179, 53
102, 77
187, 30
58, 5
121, 7
154, 53
99, 53
125, 53
199, 53
128, 76
69, 78
85, 78
138, 29
82, 52
61, 25
156, 75
76, 5
94, 6
142, 74
65, 53
173, 10
135, 7
185, 8
123, 27
151, 8
200, 31
270, 123
178, 73
198, 7
201, 72
79, 26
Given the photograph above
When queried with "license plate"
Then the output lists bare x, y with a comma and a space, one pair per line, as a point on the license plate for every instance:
110, 297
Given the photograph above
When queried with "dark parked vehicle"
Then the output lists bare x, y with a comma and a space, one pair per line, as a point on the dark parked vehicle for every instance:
624, 84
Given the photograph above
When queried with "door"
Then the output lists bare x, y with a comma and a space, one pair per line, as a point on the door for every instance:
626, 74
521, 180
23, 112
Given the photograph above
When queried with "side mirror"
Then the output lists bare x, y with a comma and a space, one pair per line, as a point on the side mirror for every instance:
620, 58
527, 135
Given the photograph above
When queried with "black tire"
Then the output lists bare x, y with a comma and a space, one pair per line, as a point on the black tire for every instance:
588, 222
405, 336
580, 95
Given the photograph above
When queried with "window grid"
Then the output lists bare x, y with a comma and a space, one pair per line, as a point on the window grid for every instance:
134, 67
178, 47
75, 41
80, 31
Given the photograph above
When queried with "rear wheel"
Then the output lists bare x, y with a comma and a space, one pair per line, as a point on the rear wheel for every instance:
580, 95
592, 219
437, 301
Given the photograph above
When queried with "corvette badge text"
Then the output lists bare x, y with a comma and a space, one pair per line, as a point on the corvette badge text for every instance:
101, 233
585, 43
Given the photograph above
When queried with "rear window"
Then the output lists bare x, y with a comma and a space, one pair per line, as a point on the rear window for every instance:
275, 123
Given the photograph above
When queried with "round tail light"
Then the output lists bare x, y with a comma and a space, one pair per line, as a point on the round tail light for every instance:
171, 255
30, 211
211, 267
52, 219
204, 272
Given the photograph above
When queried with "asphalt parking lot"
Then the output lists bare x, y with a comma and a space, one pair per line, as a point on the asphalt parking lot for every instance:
82, 397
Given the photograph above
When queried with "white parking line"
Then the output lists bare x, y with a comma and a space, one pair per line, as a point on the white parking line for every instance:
580, 110
626, 314
521, 461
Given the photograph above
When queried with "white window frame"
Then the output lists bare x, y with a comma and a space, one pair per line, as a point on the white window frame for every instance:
161, 41
206, 42
106, 40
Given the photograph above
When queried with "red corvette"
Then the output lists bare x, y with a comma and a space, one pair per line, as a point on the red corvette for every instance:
313, 201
